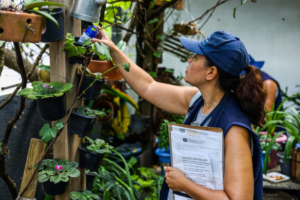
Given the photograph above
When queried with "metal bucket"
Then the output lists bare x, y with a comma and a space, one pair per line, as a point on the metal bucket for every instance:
88, 10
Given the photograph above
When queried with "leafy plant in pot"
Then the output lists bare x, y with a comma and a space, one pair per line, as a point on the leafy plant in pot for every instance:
54, 174
82, 120
90, 178
50, 98
163, 152
85, 194
92, 152
27, 16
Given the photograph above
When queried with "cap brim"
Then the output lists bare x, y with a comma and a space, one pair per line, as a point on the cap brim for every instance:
191, 45
258, 64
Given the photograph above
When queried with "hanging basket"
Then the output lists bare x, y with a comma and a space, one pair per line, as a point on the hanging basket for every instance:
52, 109
52, 33
77, 59
102, 66
94, 91
55, 189
88, 159
90, 180
13, 27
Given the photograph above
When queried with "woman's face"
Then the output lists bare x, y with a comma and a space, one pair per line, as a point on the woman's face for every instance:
196, 71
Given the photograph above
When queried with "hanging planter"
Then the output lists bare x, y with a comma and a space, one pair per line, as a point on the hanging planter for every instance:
90, 177
77, 59
52, 32
82, 120
138, 123
88, 10
91, 153
50, 98
101, 66
13, 26
55, 189
94, 91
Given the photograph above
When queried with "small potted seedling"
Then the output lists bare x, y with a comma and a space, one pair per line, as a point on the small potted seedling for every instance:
85, 194
92, 152
54, 174
50, 98
90, 178
27, 20
82, 120
53, 32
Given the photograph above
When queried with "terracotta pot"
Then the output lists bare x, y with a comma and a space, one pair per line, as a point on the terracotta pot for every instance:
107, 105
13, 26
102, 66
295, 165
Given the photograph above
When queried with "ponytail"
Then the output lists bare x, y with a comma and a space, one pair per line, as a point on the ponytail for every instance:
247, 89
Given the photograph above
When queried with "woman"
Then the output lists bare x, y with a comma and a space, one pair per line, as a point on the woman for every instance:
227, 101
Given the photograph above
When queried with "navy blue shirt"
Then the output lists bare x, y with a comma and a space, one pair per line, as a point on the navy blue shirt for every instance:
227, 114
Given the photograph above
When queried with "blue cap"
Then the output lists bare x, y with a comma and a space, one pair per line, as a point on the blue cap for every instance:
89, 31
258, 64
226, 50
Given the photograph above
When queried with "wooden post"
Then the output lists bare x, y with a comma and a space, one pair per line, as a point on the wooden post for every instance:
66, 145
35, 152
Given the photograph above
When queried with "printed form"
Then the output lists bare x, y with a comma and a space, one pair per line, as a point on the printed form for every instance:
199, 155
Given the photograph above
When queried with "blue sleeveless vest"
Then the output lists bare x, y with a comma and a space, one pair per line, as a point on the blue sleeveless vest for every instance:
227, 114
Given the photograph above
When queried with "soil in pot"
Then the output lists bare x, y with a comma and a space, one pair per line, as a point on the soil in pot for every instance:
102, 66
52, 109
138, 123
88, 159
76, 59
13, 27
94, 91
52, 33
90, 181
295, 165
81, 125
55, 189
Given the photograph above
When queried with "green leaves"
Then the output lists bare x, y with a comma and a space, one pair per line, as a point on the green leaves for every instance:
73, 173
25, 92
98, 146
126, 66
43, 178
85, 110
48, 133
102, 49
2, 43
85, 194
153, 21
44, 14
44, 67
39, 3
157, 54
121, 45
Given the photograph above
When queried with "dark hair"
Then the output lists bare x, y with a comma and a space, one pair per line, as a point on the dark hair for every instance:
247, 89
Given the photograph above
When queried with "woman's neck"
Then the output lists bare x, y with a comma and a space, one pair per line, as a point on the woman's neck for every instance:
211, 98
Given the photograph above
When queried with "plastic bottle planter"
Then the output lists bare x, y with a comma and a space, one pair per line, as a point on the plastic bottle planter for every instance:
52, 33
102, 66
76, 59
88, 159
90, 181
138, 123
94, 91
163, 156
13, 27
55, 189
81, 125
295, 165
52, 109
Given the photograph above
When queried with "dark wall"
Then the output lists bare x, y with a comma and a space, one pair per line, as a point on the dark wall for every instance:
27, 127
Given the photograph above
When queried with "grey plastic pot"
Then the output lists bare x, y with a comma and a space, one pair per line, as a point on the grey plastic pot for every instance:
138, 123
284, 166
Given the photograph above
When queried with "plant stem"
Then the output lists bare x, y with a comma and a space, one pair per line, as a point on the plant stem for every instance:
115, 164
128, 173
128, 188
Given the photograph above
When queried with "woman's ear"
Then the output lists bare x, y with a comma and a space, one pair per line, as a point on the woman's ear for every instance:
211, 73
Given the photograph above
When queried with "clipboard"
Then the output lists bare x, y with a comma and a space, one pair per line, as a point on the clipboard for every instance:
213, 129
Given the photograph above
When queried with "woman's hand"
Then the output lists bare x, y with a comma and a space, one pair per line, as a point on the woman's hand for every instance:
103, 37
175, 178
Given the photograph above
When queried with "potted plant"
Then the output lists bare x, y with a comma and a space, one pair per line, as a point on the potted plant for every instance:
90, 178
108, 108
85, 194
94, 91
82, 120
53, 33
50, 98
292, 126
92, 152
139, 122
28, 20
163, 150
54, 174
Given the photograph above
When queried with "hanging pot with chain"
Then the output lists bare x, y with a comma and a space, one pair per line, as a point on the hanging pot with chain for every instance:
88, 10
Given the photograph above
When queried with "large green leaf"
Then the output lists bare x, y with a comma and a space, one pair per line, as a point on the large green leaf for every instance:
41, 4
74, 172
43, 178
73, 164
44, 14
46, 133
1, 43
64, 178
63, 162
75, 195
288, 147
25, 92
100, 49
60, 125
121, 45
67, 87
